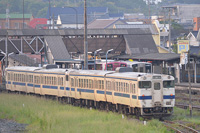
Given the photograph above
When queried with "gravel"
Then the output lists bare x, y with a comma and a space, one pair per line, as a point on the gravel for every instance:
9, 126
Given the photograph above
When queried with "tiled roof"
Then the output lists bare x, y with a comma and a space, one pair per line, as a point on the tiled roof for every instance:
195, 33
101, 23
113, 15
142, 43
24, 59
152, 27
72, 10
71, 18
57, 47
36, 21
3, 16
152, 56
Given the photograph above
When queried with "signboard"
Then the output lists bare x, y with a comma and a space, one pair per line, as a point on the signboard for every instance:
183, 46
184, 58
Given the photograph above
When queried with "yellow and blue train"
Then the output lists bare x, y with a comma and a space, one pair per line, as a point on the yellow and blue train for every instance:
142, 94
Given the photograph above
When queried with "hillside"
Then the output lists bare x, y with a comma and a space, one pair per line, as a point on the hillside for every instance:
39, 7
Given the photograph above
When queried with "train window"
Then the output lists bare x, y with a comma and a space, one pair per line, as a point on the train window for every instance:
156, 86
135, 68
79, 85
116, 89
82, 83
148, 68
8, 76
127, 86
144, 84
90, 83
102, 84
86, 83
67, 78
99, 83
168, 84
123, 65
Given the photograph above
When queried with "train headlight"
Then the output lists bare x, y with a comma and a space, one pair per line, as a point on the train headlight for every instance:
169, 77
144, 78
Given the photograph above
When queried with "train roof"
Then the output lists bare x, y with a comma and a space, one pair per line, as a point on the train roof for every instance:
36, 69
108, 73
23, 68
136, 62
126, 75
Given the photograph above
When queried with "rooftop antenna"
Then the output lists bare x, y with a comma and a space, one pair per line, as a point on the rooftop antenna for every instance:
149, 10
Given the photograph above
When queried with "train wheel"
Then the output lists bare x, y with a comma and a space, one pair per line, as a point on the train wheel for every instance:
137, 113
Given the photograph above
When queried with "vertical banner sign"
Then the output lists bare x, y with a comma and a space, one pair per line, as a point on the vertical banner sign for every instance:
183, 46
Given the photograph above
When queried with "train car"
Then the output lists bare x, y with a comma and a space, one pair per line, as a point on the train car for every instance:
143, 67
111, 66
141, 94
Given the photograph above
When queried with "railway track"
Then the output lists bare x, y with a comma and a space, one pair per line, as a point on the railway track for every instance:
178, 127
187, 99
186, 106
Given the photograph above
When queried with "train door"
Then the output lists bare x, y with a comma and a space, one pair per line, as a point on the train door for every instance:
157, 93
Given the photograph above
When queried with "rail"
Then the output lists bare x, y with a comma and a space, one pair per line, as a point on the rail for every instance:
178, 127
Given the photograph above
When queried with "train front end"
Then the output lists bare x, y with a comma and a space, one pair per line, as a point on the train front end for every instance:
156, 95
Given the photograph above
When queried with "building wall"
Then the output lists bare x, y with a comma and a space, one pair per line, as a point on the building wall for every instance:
197, 23
14, 23
156, 39
193, 41
187, 12
161, 50
80, 26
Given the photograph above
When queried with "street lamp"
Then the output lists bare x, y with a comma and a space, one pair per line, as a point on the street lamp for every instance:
106, 57
76, 15
95, 57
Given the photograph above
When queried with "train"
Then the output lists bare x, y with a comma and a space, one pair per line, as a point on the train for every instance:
111, 66
136, 66
123, 91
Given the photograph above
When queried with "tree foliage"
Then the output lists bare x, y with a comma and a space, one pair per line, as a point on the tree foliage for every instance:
39, 7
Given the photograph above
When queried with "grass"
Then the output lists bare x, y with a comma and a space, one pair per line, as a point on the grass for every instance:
50, 116
43, 115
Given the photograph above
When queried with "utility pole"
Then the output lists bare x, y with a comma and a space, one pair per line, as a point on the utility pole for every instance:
164, 26
189, 80
23, 15
85, 37
149, 9
7, 17
6, 49
49, 15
